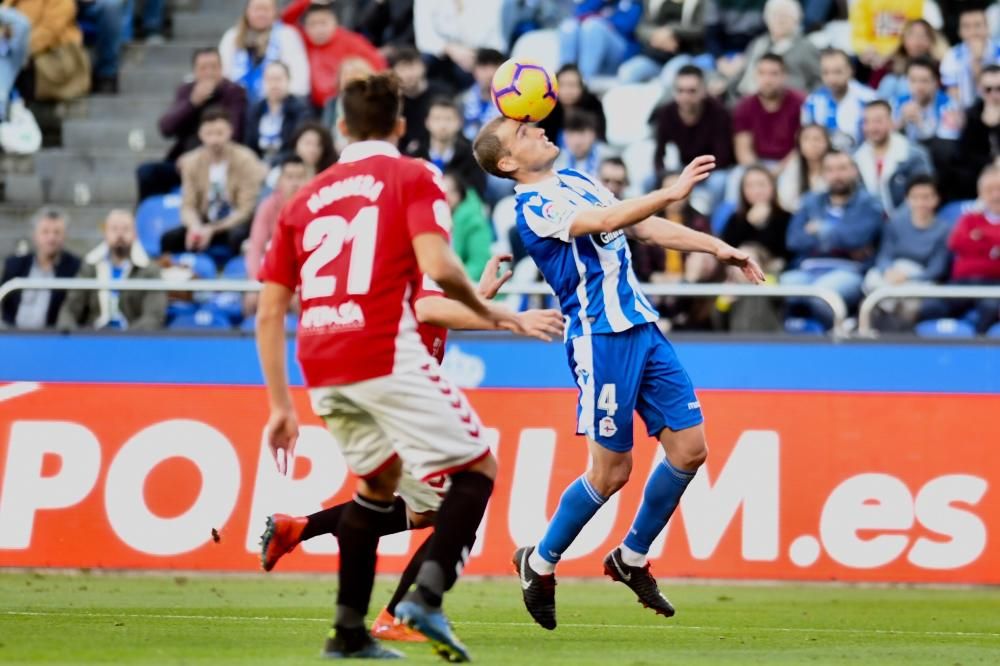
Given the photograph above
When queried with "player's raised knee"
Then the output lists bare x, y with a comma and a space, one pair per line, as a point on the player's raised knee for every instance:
609, 479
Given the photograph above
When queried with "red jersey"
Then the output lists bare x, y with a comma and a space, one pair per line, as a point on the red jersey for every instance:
345, 240
432, 336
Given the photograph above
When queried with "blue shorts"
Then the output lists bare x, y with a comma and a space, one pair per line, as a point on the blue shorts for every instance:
621, 373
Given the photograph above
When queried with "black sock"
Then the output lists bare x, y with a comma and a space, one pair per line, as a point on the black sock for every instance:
409, 575
361, 522
454, 533
348, 639
327, 520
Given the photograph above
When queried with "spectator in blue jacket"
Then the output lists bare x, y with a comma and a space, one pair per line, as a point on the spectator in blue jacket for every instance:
600, 36
832, 237
914, 248
272, 121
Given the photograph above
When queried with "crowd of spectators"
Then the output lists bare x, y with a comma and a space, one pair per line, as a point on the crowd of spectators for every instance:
870, 162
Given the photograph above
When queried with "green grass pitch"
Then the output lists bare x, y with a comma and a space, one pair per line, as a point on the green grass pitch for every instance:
134, 619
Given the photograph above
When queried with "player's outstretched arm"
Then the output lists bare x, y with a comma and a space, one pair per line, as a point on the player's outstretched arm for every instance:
282, 426
446, 313
672, 236
437, 260
627, 213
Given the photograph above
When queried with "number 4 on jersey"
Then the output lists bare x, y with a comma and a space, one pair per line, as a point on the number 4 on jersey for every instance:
606, 400
325, 237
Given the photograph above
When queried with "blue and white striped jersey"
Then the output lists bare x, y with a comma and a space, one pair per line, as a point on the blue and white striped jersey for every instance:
956, 69
592, 275
841, 119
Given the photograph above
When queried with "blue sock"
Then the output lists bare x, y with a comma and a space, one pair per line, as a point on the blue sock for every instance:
663, 491
577, 506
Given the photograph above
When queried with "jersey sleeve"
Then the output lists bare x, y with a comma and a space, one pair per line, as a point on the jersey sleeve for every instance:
428, 289
280, 263
427, 209
548, 218
951, 69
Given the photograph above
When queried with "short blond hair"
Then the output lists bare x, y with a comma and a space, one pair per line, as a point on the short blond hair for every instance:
489, 150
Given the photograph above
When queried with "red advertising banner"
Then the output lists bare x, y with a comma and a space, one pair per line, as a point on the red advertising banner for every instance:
798, 485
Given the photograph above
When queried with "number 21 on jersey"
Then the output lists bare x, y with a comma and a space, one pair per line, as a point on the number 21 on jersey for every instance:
326, 238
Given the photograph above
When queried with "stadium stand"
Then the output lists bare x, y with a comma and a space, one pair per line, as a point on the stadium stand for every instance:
93, 145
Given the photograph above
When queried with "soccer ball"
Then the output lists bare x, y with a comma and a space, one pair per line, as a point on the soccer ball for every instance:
524, 90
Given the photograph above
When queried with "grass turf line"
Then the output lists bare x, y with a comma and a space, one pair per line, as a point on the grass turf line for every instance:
90, 619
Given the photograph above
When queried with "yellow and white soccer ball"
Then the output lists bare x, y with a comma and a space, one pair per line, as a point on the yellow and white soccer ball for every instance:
524, 90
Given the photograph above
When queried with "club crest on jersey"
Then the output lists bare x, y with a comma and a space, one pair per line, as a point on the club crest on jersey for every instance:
607, 427
346, 316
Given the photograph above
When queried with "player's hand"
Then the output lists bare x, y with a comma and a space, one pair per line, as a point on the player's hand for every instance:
698, 170
282, 433
504, 318
542, 324
732, 257
492, 279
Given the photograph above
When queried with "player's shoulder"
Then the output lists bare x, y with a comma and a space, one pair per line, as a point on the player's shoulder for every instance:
417, 168
574, 175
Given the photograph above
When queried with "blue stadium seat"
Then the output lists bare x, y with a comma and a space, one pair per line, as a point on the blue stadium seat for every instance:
229, 304
200, 319
723, 210
156, 216
950, 212
200, 263
804, 326
235, 269
179, 308
945, 328
994, 331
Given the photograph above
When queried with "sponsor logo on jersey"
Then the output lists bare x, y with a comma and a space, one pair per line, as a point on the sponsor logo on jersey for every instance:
606, 238
345, 316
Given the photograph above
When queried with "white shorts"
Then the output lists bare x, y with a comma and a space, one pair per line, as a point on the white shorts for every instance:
417, 415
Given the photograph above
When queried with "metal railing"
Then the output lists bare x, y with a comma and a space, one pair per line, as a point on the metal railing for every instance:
918, 291
828, 296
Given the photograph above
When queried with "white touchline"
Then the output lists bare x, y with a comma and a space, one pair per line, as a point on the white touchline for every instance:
17, 389
643, 627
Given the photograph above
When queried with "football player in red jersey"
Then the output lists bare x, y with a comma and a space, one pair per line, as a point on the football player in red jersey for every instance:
417, 502
355, 243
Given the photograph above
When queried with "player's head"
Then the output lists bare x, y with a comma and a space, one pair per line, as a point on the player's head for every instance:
486, 65
277, 77
320, 22
972, 24
876, 124
835, 70
49, 232
923, 79
508, 148
215, 129
293, 175
373, 108
409, 66
444, 120
119, 232
839, 173
580, 132
771, 74
922, 196
613, 175
989, 189
989, 84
